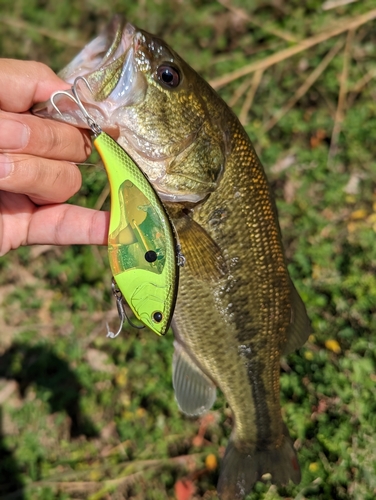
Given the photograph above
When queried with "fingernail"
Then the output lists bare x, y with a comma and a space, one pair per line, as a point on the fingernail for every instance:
6, 166
13, 135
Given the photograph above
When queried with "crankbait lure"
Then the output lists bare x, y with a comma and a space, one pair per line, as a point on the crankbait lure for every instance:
143, 250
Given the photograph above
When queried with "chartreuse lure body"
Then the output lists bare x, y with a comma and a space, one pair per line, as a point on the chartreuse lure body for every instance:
142, 246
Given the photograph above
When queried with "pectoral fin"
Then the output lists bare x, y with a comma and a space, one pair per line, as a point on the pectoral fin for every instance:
194, 391
300, 327
203, 256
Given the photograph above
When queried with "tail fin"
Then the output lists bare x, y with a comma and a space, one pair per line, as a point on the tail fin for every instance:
240, 471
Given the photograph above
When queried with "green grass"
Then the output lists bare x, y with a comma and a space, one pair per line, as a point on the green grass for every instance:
86, 417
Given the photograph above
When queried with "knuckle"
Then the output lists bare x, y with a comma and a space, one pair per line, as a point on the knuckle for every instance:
85, 150
40, 68
59, 226
64, 181
92, 228
48, 179
70, 175
65, 142
52, 141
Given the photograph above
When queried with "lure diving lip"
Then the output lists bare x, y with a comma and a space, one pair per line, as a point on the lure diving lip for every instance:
143, 250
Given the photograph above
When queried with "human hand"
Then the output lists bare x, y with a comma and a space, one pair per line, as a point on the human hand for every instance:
37, 173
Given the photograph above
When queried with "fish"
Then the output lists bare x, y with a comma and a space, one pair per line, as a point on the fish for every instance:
237, 311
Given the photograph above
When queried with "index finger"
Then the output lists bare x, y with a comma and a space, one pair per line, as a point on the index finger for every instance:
24, 83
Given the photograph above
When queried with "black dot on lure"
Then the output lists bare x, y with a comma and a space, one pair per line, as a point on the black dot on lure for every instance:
151, 256
157, 316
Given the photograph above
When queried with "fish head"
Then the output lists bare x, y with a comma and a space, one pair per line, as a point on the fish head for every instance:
155, 105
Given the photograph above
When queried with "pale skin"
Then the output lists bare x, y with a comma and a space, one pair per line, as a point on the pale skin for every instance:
38, 171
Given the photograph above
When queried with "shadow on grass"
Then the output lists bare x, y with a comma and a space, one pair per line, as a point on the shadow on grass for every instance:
40, 366
11, 484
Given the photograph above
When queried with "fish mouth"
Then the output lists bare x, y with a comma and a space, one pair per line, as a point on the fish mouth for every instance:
111, 78
107, 64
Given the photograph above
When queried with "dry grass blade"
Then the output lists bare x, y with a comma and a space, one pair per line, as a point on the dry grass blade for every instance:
114, 485
333, 4
284, 35
305, 87
306, 489
341, 27
242, 89
116, 450
73, 487
250, 96
359, 86
128, 474
54, 35
102, 197
340, 112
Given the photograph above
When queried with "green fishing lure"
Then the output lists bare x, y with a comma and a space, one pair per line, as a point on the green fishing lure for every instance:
142, 246
143, 250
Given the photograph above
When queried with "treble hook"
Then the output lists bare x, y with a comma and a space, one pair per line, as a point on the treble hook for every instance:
95, 128
121, 312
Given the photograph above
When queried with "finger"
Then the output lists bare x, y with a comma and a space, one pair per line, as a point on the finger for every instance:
68, 225
24, 83
32, 135
45, 181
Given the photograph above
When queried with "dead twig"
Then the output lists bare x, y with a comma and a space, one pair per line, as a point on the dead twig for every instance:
132, 471
116, 450
359, 86
333, 4
341, 27
242, 89
102, 197
303, 89
340, 112
250, 96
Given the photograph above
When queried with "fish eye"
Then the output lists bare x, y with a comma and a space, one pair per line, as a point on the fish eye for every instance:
157, 316
168, 76
151, 256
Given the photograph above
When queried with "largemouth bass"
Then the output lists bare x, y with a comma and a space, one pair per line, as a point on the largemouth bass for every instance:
237, 310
